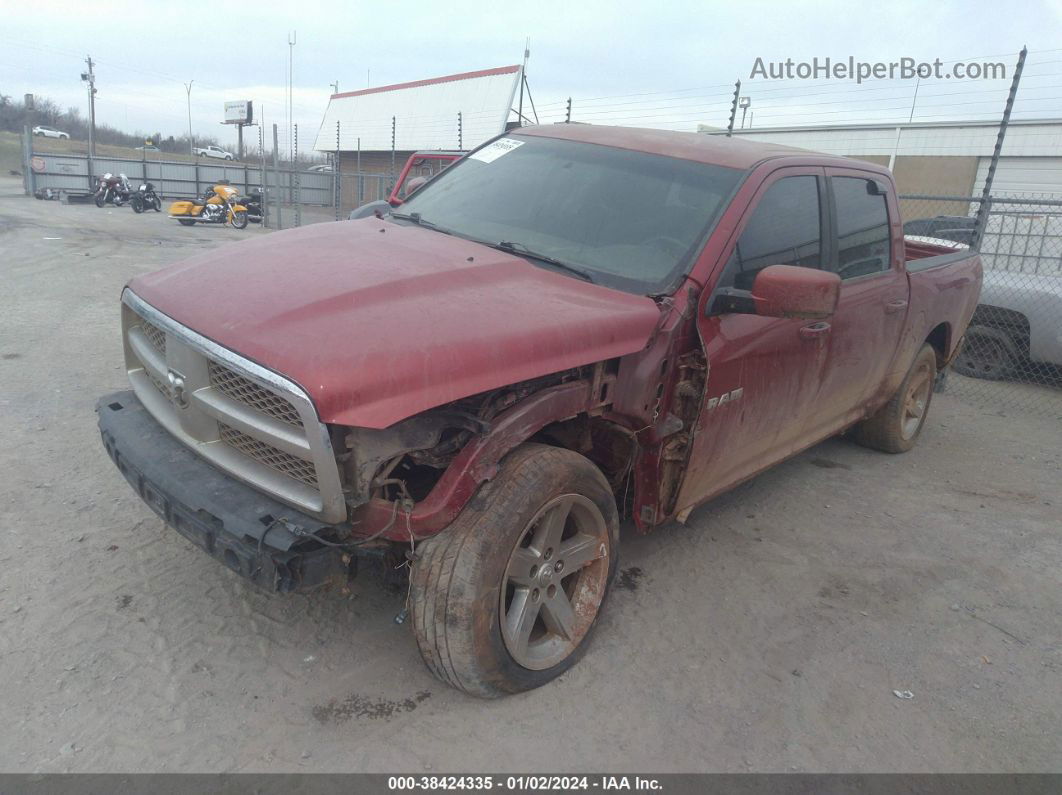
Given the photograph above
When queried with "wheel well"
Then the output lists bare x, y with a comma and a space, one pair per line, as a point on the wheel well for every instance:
1009, 321
940, 339
609, 447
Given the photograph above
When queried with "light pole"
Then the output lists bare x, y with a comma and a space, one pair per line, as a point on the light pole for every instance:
291, 67
188, 90
90, 78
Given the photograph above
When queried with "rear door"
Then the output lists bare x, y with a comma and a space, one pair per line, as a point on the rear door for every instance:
763, 372
866, 328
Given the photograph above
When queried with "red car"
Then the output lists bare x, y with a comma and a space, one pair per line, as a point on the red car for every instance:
571, 326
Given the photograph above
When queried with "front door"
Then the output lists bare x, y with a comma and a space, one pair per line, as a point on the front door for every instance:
763, 373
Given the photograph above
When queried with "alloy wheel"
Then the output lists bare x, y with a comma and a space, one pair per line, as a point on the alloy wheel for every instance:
555, 581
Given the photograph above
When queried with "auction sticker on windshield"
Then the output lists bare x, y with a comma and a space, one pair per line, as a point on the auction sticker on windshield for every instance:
491, 152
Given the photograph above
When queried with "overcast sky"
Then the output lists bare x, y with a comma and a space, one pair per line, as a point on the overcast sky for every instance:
651, 63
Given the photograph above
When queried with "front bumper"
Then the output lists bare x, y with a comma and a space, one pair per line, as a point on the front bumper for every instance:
257, 537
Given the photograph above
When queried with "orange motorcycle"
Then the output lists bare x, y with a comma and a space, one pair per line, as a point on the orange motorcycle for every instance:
219, 205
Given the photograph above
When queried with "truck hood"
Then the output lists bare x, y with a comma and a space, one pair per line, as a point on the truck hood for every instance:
379, 321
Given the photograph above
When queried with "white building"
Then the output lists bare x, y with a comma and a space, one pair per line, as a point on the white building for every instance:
941, 157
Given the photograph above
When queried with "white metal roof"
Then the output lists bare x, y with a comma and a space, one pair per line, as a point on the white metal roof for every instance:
424, 111
1025, 138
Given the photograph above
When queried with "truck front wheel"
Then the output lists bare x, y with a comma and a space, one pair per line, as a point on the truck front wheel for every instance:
895, 427
506, 598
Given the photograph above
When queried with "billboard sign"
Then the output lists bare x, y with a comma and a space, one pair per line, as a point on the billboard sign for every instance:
238, 112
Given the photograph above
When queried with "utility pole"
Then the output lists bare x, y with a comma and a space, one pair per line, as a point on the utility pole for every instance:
291, 69
914, 99
90, 78
523, 79
188, 90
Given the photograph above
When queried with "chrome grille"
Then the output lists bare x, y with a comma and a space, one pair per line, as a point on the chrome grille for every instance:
254, 424
250, 394
263, 453
155, 335
161, 387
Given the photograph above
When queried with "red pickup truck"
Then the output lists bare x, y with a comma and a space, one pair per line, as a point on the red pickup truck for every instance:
569, 327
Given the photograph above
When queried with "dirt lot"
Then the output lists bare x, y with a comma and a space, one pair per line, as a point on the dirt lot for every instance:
767, 635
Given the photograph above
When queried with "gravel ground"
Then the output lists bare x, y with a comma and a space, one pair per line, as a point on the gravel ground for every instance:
769, 634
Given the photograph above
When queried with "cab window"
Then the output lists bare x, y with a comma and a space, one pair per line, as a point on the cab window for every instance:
785, 229
863, 245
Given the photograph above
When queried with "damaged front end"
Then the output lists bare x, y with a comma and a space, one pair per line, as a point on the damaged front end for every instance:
274, 546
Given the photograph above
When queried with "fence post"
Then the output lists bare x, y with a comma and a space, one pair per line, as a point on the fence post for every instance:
336, 197
982, 211
568, 113
27, 161
733, 109
297, 179
361, 178
392, 153
276, 176
262, 175
460, 139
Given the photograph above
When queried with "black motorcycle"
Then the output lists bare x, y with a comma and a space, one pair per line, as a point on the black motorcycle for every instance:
253, 203
145, 198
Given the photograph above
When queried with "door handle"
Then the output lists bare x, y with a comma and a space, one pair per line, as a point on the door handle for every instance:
815, 331
892, 307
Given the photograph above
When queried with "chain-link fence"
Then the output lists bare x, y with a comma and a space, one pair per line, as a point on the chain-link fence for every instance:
1013, 352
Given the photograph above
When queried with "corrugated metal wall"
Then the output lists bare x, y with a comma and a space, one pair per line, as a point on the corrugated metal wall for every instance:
176, 179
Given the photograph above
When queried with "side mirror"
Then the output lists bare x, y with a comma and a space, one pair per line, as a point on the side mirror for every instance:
792, 291
377, 208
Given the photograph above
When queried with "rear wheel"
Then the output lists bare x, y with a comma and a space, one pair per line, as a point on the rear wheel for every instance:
137, 204
506, 598
896, 425
100, 199
157, 204
186, 221
989, 353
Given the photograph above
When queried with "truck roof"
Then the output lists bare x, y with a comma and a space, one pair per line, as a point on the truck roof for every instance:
700, 147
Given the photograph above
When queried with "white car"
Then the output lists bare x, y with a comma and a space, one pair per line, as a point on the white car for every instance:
216, 152
1015, 329
321, 168
50, 132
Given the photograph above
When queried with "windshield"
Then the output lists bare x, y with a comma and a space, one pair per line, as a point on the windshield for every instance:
630, 220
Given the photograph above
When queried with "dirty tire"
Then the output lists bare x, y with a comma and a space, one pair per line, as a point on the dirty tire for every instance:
896, 425
461, 577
